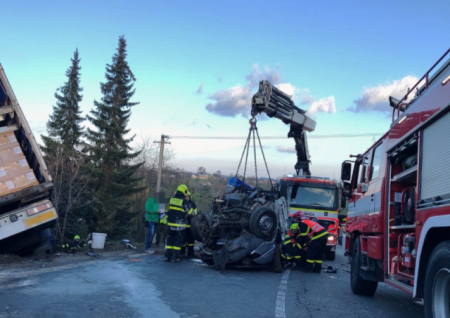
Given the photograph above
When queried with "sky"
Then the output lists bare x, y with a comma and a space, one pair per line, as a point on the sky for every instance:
198, 63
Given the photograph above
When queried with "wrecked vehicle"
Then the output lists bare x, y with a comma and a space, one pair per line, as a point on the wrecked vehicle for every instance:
243, 229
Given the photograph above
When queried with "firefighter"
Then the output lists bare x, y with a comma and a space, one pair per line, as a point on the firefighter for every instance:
73, 245
189, 239
315, 235
176, 224
290, 252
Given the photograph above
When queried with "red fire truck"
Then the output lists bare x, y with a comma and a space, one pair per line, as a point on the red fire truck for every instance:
318, 198
398, 224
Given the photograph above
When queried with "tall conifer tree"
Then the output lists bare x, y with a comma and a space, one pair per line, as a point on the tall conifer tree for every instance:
64, 125
113, 180
64, 160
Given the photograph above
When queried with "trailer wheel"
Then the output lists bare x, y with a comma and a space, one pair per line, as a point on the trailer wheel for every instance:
46, 245
437, 282
359, 285
263, 223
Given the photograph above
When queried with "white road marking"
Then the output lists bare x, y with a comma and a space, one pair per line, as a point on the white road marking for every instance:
280, 308
196, 260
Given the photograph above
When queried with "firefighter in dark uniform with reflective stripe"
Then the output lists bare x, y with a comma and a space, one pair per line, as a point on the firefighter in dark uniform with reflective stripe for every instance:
290, 250
176, 224
316, 234
189, 240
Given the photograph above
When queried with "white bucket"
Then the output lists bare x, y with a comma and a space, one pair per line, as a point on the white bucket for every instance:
98, 240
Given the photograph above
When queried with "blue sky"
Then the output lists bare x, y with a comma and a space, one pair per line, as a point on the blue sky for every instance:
329, 54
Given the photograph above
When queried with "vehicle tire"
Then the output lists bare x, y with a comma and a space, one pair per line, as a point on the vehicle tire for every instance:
359, 285
263, 223
437, 282
199, 227
46, 245
330, 255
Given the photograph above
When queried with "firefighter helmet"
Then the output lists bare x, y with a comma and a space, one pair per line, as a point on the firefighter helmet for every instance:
183, 189
77, 237
299, 215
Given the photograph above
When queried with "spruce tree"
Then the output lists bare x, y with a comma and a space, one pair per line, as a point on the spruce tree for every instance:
63, 159
64, 125
110, 155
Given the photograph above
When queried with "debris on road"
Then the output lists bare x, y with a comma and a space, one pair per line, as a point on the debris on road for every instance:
330, 269
93, 254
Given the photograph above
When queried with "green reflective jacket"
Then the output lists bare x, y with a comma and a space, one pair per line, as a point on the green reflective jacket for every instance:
151, 211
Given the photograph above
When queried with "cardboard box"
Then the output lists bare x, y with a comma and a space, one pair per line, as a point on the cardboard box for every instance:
13, 170
8, 139
11, 154
25, 180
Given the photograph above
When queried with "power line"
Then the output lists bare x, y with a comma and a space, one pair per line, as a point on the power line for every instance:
280, 137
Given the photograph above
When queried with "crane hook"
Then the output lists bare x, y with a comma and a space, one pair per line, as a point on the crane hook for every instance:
252, 122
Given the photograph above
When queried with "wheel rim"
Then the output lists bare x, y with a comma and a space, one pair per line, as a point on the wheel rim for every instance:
441, 294
265, 223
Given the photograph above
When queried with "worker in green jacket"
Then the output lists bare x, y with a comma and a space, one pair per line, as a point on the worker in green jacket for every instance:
151, 221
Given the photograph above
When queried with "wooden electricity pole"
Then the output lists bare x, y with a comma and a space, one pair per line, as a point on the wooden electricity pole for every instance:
161, 156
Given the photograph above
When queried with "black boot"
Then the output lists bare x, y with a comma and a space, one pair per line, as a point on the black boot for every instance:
176, 257
317, 268
167, 254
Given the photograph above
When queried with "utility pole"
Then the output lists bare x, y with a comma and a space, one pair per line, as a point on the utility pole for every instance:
161, 156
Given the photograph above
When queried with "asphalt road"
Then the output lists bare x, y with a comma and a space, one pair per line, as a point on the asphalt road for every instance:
145, 286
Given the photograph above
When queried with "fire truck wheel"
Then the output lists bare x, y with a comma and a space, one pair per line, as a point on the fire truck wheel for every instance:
359, 285
437, 282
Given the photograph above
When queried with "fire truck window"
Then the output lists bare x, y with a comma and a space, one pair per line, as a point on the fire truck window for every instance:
375, 169
363, 168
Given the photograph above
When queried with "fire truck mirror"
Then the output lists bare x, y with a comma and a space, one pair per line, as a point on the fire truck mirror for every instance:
346, 171
364, 188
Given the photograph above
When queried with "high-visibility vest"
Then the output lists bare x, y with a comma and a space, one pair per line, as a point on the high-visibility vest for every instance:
315, 230
177, 212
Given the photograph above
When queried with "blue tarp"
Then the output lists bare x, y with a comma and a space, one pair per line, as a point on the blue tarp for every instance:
237, 183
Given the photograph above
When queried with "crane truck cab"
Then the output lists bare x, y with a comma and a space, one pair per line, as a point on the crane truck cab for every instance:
318, 198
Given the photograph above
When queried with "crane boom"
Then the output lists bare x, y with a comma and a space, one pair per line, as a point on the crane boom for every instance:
275, 103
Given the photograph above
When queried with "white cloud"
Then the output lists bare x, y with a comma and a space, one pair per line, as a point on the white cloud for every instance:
323, 105
286, 149
231, 102
199, 91
377, 98
236, 100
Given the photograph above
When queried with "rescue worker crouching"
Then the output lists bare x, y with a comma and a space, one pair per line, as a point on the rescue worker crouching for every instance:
315, 235
291, 251
72, 246
189, 240
176, 224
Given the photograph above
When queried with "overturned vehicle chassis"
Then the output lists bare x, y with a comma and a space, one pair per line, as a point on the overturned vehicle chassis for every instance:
242, 230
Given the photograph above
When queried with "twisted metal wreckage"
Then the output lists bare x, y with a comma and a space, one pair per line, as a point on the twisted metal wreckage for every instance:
245, 228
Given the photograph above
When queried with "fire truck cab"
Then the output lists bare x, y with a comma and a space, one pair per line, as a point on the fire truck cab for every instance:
318, 198
398, 191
